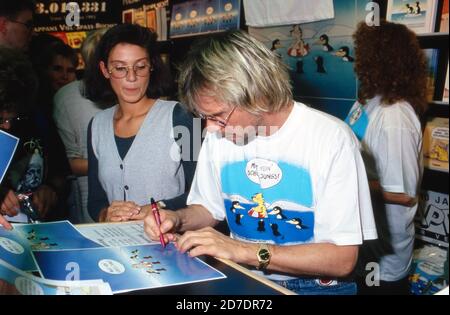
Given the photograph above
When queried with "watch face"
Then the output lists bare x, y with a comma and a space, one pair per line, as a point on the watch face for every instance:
264, 254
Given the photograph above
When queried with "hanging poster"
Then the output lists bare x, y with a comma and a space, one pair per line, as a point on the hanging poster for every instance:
204, 16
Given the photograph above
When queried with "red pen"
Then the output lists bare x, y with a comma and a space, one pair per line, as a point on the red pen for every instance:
158, 220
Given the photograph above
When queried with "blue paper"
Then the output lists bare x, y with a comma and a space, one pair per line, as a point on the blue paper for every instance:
127, 268
8, 145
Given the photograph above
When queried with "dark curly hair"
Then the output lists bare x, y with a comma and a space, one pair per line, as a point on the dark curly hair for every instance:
390, 63
18, 82
98, 88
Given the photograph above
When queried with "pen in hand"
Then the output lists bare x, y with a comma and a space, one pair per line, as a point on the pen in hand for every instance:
155, 212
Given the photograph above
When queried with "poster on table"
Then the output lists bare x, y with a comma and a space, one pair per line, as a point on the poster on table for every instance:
129, 267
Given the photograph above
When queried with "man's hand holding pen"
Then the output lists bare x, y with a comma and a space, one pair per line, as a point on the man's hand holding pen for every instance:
170, 223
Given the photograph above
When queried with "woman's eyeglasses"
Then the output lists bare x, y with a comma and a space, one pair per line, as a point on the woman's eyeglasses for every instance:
120, 72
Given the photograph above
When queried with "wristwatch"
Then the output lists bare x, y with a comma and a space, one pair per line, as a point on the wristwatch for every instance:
263, 254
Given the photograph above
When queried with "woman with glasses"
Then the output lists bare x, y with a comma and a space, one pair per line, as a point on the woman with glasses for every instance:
134, 148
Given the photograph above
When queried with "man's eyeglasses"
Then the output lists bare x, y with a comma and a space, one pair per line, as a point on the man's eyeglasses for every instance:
29, 25
222, 123
120, 72
11, 120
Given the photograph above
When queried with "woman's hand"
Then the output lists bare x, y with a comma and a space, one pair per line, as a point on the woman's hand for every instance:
121, 211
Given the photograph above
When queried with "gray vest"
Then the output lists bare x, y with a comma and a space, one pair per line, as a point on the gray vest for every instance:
152, 166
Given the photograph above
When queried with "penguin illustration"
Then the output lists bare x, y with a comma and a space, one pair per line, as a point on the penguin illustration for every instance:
278, 212
31, 235
261, 227
418, 8
319, 63
276, 44
344, 53
235, 205
274, 228
324, 40
44, 238
300, 66
238, 218
148, 257
409, 9
298, 223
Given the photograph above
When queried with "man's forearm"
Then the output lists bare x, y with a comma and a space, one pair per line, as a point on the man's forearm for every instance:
323, 259
194, 217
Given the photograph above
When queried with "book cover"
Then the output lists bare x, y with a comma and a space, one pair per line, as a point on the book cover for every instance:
127, 16
435, 144
204, 16
432, 55
445, 94
8, 145
443, 25
431, 219
151, 19
139, 18
420, 16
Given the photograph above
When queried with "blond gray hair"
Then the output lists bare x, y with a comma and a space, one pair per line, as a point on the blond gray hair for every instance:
90, 43
237, 70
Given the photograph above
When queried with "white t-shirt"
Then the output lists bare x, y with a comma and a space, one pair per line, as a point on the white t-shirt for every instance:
306, 183
392, 142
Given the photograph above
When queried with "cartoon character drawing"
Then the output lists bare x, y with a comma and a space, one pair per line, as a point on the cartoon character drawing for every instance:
276, 45
274, 228
325, 42
260, 211
344, 53
418, 9
238, 216
439, 152
298, 223
409, 9
42, 245
261, 226
142, 264
278, 212
298, 47
319, 63
31, 235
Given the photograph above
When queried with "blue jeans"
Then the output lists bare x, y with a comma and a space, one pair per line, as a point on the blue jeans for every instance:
316, 287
